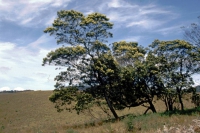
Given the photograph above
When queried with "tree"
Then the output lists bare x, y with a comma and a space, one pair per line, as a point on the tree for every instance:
105, 75
177, 62
139, 82
88, 60
148, 81
192, 33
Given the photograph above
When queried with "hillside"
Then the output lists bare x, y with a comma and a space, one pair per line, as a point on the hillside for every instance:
31, 112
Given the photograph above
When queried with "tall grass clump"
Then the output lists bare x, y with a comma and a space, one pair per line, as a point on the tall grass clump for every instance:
144, 122
129, 122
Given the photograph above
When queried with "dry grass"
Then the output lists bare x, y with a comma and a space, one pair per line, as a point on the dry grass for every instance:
31, 112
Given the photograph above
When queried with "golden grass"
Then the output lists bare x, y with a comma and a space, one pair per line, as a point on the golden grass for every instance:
32, 112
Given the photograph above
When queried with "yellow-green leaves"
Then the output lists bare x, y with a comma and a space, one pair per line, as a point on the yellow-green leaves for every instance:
106, 65
127, 52
70, 14
74, 28
63, 98
64, 53
96, 18
177, 62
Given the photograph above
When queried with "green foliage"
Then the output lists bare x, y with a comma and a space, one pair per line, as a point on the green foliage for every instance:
126, 53
91, 64
88, 60
125, 76
129, 122
2, 127
176, 61
139, 81
64, 96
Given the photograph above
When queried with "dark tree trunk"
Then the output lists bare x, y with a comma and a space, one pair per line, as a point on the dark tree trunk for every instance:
170, 105
111, 107
152, 107
167, 107
181, 102
180, 98
146, 111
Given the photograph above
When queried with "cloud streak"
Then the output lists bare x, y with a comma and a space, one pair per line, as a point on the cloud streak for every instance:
30, 12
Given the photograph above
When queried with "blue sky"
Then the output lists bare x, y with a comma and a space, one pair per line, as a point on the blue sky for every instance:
23, 44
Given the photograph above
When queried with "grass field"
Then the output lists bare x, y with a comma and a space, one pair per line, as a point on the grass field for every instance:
32, 112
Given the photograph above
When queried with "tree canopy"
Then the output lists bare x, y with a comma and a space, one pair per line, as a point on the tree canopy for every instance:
177, 63
122, 74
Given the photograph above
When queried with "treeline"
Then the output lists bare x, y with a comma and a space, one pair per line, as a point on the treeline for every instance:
120, 75
13, 91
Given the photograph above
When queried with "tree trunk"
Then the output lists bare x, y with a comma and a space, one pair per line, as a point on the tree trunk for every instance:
180, 98
166, 104
111, 107
180, 101
170, 105
152, 107
146, 111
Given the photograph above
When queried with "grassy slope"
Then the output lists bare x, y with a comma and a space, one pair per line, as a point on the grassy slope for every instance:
32, 112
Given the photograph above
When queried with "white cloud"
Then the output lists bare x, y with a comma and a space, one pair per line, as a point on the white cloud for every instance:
25, 67
30, 12
6, 46
114, 3
118, 4
5, 89
149, 16
57, 3
196, 79
19, 89
9, 89
37, 12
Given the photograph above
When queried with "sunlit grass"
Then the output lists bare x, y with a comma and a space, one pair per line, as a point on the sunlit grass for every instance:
32, 112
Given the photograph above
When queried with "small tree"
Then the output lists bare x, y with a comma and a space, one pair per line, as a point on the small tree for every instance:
177, 62
192, 33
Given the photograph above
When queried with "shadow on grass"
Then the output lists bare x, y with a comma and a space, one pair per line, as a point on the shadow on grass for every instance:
182, 112
192, 111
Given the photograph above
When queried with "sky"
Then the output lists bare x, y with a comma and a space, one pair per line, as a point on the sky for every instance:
23, 44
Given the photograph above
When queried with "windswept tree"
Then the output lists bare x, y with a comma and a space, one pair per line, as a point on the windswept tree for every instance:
85, 56
89, 63
139, 81
177, 62
104, 74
